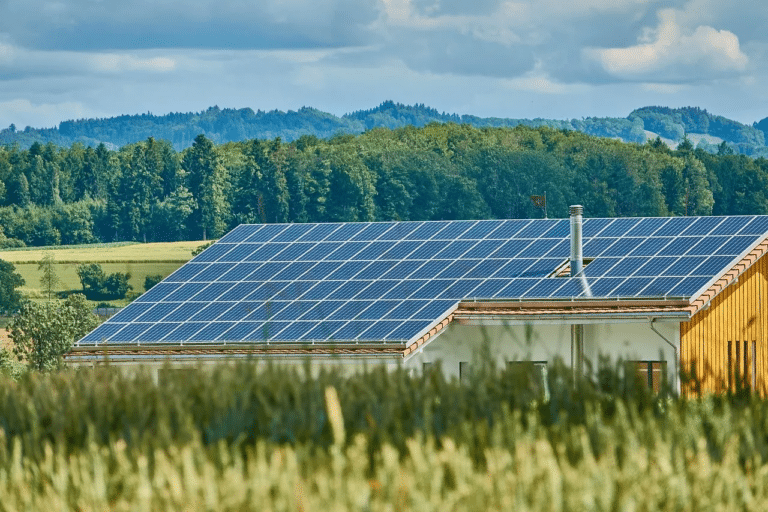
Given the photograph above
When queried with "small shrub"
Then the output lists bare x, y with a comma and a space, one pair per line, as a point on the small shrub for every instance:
99, 286
151, 281
201, 248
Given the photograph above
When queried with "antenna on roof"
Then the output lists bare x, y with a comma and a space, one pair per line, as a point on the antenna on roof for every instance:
540, 202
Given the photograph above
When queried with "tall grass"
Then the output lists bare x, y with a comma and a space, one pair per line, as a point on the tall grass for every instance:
243, 438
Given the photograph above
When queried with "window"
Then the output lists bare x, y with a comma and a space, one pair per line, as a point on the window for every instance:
650, 373
534, 373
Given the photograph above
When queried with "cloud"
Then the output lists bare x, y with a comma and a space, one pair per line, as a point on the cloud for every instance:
25, 113
116, 63
671, 53
96, 25
17, 63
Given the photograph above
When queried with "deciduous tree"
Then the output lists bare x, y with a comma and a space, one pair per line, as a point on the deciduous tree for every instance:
42, 333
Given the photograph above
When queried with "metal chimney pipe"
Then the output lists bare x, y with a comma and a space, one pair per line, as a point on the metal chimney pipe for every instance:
577, 265
577, 257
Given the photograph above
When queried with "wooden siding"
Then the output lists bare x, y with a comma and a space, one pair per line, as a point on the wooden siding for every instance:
713, 344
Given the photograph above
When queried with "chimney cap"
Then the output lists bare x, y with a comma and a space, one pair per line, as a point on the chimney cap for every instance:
576, 209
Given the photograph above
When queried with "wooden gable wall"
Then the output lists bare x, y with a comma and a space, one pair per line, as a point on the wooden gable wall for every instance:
727, 341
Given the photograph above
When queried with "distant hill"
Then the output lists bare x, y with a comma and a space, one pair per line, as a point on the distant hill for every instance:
225, 125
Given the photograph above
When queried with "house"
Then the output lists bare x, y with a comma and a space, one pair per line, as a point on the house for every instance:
664, 293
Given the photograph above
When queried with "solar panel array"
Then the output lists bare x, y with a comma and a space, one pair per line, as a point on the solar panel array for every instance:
390, 281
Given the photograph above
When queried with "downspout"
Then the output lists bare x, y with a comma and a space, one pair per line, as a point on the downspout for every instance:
577, 265
674, 351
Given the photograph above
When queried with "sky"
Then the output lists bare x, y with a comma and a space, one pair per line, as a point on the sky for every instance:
557, 59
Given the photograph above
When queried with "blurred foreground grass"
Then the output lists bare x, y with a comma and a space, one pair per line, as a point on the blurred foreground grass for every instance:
245, 437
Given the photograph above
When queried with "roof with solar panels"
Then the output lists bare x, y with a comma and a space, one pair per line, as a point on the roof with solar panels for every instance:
382, 286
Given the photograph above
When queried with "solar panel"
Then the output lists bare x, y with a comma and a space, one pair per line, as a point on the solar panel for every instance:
454, 230
434, 309
426, 230
626, 267
158, 331
458, 269
406, 309
376, 289
266, 291
399, 231
157, 312
536, 228
460, 289
592, 227
240, 252
211, 272
538, 248
405, 289
319, 232
321, 310
508, 229
731, 225
480, 230
345, 232
347, 282
736, 245
320, 251
213, 253
240, 332
239, 272
380, 330
647, 227
702, 226
402, 269
631, 286
183, 292
265, 252
270, 330
211, 331
293, 251
619, 227
758, 226
544, 288
675, 226
407, 330
184, 273
129, 332
373, 231
432, 289
324, 330
240, 233
266, 233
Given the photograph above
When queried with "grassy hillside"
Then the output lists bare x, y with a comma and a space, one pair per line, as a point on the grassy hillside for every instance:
140, 260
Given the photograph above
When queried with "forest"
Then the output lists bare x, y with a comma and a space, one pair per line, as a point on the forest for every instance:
706, 130
148, 191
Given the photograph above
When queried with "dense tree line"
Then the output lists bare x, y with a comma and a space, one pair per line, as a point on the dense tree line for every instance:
148, 191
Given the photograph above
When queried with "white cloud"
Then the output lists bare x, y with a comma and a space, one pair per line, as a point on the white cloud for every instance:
25, 113
117, 63
673, 53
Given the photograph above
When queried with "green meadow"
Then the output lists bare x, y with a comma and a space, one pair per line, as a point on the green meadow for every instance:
139, 260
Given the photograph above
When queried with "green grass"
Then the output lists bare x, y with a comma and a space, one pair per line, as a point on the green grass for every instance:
67, 273
244, 437
103, 253
140, 260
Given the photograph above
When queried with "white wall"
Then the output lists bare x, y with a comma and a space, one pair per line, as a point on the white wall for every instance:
544, 342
